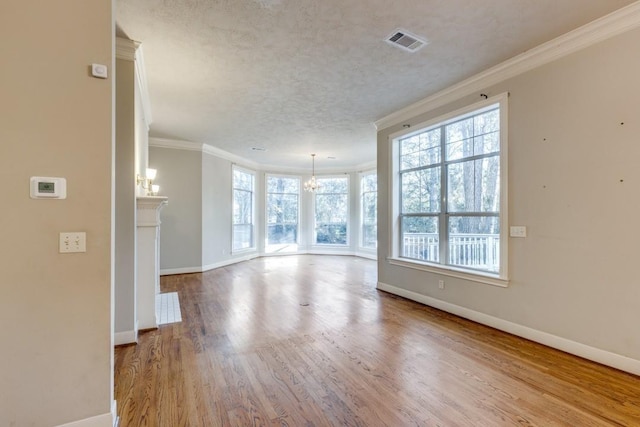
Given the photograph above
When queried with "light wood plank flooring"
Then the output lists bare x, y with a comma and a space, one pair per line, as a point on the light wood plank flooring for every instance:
309, 341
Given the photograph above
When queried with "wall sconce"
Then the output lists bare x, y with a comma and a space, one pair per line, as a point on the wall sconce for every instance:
147, 182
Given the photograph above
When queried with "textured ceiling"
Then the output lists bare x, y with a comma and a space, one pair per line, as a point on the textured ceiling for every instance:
311, 76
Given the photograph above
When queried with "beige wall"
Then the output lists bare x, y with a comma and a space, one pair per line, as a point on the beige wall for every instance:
574, 181
55, 309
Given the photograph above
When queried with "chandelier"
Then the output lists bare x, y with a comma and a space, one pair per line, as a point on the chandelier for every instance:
312, 185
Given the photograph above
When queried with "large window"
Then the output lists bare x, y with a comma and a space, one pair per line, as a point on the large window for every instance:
283, 195
332, 210
369, 210
449, 191
243, 201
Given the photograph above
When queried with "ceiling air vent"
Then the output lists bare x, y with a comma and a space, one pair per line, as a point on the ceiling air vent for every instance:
405, 40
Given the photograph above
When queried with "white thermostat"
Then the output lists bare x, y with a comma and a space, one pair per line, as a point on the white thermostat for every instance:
43, 187
100, 71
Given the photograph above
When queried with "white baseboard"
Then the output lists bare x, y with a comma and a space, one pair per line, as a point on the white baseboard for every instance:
104, 420
604, 357
330, 251
125, 337
181, 270
203, 268
367, 255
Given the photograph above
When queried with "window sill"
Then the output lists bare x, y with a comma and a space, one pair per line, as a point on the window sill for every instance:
485, 278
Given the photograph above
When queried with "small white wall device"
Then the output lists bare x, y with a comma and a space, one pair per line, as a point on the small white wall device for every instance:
42, 187
100, 71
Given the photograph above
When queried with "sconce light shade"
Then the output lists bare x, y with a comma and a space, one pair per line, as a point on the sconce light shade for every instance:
147, 182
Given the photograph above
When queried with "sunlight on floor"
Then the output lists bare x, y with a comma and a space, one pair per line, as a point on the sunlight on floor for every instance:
168, 308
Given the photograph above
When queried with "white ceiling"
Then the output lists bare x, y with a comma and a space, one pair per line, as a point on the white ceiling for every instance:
311, 76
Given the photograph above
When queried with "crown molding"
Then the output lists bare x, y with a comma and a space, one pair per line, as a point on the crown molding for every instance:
126, 49
214, 151
175, 144
141, 74
131, 50
613, 24
202, 148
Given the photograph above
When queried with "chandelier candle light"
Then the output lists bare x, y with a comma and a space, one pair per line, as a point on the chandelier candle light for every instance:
312, 185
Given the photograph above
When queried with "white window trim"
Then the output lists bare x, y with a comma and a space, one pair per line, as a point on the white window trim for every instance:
266, 203
502, 277
361, 176
253, 246
313, 210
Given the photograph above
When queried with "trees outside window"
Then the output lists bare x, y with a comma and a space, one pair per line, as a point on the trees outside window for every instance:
243, 202
449, 191
332, 211
369, 210
283, 198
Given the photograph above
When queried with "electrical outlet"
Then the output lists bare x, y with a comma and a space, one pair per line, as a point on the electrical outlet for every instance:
440, 284
73, 242
518, 231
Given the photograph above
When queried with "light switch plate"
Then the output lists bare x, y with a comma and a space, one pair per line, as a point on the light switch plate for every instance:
75, 241
518, 231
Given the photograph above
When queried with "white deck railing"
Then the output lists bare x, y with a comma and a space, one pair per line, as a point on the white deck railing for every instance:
481, 251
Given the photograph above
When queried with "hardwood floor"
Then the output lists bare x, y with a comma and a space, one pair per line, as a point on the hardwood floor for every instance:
309, 341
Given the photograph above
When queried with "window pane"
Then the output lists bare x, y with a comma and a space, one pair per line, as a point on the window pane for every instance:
243, 183
474, 186
460, 130
487, 122
242, 209
421, 191
369, 183
331, 234
333, 185
474, 241
487, 143
242, 236
420, 238
331, 204
242, 180
369, 208
331, 208
370, 236
282, 208
282, 233
278, 184
420, 150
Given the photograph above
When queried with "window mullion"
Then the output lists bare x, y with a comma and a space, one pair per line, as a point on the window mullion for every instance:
442, 217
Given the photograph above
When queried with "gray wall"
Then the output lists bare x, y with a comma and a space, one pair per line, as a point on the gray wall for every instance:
180, 178
573, 180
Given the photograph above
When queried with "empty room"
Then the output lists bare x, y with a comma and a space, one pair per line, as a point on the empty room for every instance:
320, 213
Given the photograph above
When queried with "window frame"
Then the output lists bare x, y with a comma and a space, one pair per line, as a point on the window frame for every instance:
501, 278
362, 193
266, 205
252, 246
348, 214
